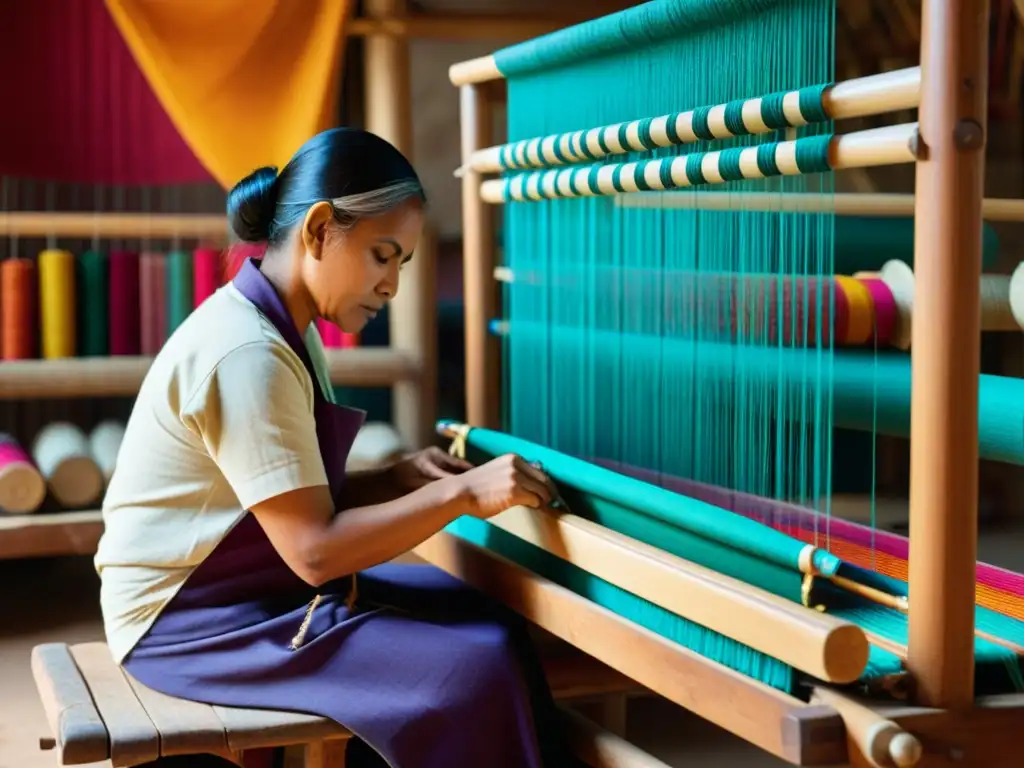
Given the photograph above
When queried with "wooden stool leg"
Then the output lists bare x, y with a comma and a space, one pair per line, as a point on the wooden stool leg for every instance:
326, 754
612, 715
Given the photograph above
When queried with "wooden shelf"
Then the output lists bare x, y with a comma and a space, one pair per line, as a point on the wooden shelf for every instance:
122, 376
50, 534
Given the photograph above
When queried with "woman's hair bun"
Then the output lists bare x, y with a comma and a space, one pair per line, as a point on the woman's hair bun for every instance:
252, 203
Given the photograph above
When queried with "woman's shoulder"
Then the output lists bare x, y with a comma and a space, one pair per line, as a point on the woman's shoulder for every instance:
225, 336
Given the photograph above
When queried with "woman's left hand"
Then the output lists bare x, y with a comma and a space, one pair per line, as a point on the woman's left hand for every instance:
425, 467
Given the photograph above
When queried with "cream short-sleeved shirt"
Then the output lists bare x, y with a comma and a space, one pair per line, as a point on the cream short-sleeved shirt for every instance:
223, 421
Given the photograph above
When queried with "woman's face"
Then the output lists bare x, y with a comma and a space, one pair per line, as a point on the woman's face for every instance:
358, 271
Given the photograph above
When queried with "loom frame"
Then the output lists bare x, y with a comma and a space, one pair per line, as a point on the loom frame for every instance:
951, 724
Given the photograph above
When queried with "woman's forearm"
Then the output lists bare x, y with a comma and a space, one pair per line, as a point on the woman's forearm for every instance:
369, 487
365, 536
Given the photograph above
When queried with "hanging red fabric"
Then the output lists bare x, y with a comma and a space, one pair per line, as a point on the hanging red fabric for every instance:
78, 109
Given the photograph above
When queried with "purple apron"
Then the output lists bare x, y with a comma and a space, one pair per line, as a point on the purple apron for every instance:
425, 671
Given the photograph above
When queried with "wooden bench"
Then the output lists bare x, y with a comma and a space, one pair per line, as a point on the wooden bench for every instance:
96, 712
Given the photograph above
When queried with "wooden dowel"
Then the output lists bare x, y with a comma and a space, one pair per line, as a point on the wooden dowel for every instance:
208, 227
880, 146
121, 376
474, 71
996, 297
482, 352
821, 645
600, 748
842, 203
735, 702
412, 313
881, 742
877, 94
946, 359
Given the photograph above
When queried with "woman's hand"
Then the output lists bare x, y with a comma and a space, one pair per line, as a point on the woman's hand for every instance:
425, 467
501, 483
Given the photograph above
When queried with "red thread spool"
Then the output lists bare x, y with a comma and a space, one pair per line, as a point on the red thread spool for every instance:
22, 487
19, 317
205, 273
125, 336
153, 302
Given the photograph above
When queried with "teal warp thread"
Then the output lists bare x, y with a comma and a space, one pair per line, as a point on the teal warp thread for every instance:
700, 124
694, 172
766, 160
623, 135
644, 133
729, 164
772, 113
640, 177
812, 154
642, 25
617, 178
734, 117
812, 105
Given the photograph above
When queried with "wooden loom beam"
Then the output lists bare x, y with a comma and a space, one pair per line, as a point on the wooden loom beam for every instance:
412, 314
946, 359
483, 382
768, 718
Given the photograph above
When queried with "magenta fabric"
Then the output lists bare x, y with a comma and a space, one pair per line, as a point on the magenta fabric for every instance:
77, 107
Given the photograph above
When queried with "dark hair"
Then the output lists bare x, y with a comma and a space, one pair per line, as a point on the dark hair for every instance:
356, 171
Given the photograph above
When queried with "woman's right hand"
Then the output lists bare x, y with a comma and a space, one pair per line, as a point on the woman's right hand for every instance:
507, 481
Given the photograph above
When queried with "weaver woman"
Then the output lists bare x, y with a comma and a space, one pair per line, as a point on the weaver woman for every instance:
240, 566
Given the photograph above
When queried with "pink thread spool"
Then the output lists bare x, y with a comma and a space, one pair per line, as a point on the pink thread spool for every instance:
886, 311
124, 303
153, 302
22, 487
205, 274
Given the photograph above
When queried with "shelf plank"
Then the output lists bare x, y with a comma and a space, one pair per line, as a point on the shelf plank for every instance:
122, 376
50, 534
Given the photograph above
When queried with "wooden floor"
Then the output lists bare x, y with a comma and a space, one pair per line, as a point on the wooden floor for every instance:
57, 600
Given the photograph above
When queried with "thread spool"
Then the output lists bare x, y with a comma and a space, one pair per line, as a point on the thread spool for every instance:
93, 305
996, 299
104, 443
22, 488
206, 274
860, 327
61, 451
885, 310
125, 332
57, 305
152, 302
18, 293
180, 288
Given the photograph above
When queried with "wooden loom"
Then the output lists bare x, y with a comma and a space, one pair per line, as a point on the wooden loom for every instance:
943, 723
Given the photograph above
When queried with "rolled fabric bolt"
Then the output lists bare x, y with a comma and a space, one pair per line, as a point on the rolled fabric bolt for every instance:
61, 451
22, 487
104, 443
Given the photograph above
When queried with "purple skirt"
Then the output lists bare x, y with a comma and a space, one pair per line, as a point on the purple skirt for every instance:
425, 671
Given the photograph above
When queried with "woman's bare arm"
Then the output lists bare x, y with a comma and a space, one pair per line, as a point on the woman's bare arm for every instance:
319, 545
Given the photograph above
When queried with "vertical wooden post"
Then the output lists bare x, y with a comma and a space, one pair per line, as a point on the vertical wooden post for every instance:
413, 313
947, 350
482, 353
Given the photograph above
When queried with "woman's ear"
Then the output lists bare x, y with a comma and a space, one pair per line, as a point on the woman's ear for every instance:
314, 228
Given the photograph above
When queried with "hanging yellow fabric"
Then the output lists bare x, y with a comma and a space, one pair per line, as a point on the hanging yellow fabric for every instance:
245, 82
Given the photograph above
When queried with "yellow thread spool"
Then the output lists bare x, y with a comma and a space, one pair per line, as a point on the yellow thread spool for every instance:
57, 303
860, 310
